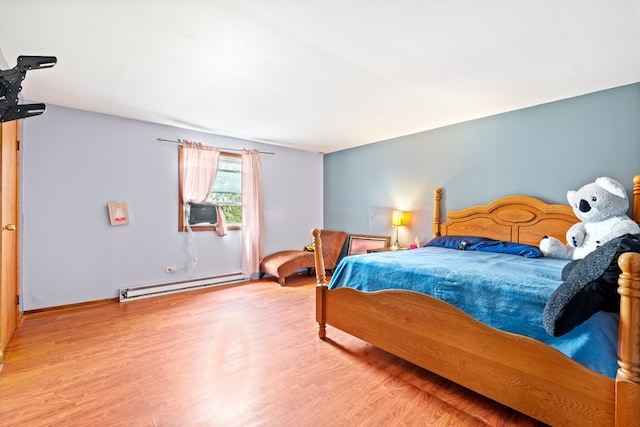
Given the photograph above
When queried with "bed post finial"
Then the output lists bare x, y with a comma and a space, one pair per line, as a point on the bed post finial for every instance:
321, 278
437, 195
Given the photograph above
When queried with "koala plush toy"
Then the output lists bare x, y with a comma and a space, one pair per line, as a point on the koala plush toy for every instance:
601, 206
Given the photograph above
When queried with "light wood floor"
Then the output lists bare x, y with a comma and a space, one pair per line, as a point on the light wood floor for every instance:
240, 356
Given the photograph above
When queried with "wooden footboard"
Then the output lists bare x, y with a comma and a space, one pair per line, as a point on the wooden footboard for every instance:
517, 371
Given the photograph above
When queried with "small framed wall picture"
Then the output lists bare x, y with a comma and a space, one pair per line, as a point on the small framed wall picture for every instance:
118, 213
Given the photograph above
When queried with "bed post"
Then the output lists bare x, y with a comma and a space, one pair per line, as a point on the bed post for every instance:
437, 195
628, 375
321, 283
636, 199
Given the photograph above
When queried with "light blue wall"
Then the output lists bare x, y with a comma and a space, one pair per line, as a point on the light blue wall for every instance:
542, 151
75, 162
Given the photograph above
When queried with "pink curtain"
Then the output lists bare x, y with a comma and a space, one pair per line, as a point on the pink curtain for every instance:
199, 169
252, 212
221, 225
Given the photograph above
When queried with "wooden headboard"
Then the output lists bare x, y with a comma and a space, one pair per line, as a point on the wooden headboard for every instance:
519, 219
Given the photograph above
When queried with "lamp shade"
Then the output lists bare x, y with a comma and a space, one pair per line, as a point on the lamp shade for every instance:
397, 218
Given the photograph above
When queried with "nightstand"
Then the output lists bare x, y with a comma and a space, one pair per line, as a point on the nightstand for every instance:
387, 249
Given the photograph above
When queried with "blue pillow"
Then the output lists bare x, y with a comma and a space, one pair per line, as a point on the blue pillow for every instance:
456, 242
484, 244
527, 251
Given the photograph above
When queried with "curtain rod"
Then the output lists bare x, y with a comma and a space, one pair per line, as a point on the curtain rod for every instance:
179, 142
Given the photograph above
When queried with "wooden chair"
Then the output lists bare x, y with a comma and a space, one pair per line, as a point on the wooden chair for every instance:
283, 264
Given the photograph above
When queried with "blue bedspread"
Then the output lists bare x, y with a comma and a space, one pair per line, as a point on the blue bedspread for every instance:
507, 292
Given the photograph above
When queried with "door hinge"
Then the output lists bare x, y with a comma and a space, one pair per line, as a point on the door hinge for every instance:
17, 299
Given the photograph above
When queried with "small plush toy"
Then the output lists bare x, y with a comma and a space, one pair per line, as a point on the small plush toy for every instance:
601, 207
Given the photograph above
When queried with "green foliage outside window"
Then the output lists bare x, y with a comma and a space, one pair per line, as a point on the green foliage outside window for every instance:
232, 214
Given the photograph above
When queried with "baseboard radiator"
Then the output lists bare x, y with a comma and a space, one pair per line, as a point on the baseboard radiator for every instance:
147, 291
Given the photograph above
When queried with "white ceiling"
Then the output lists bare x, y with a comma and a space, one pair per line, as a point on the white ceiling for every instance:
319, 75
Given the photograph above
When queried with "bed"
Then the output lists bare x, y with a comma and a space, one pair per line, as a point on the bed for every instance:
521, 372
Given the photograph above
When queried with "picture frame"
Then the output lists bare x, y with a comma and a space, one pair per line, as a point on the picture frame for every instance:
360, 243
118, 213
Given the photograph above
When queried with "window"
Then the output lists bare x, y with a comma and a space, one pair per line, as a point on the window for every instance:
226, 192
227, 188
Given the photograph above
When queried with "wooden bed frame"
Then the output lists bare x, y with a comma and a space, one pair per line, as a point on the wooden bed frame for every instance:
514, 370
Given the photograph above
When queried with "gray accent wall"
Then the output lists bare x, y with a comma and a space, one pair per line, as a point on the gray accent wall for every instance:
542, 151
75, 162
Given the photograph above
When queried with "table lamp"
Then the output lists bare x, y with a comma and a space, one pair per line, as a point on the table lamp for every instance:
397, 220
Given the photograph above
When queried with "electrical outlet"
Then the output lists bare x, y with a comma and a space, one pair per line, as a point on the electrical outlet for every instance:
170, 269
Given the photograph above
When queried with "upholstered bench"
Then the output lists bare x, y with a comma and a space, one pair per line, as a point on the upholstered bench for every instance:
283, 264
